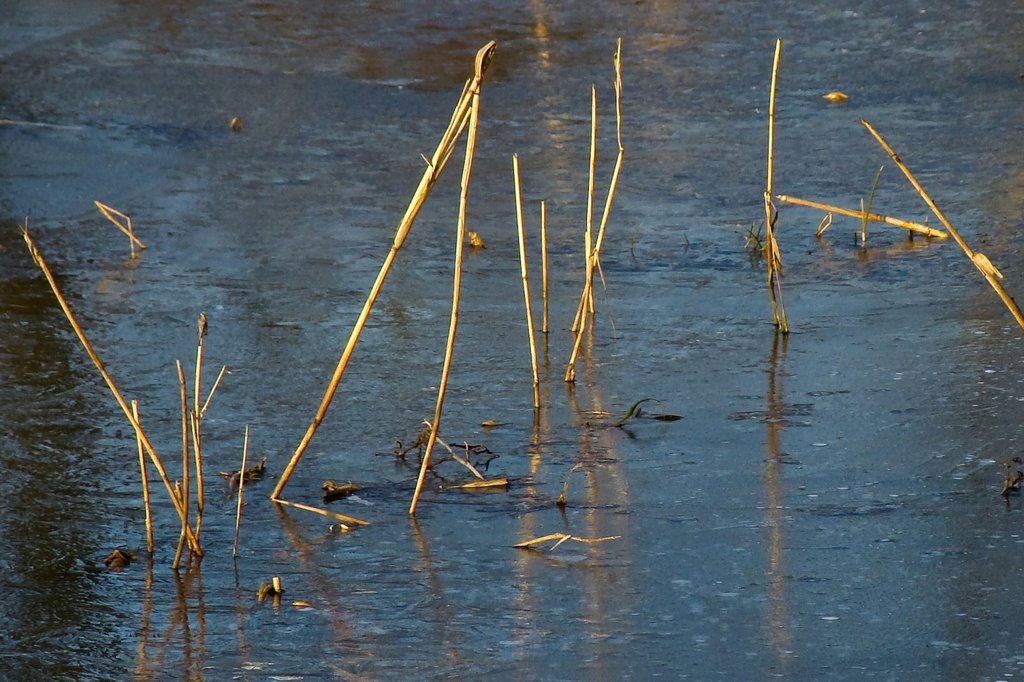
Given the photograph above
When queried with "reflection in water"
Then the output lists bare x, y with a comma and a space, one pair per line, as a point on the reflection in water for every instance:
778, 618
446, 617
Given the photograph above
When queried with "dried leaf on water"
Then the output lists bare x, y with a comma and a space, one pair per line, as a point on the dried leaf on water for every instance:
835, 97
490, 424
302, 604
476, 241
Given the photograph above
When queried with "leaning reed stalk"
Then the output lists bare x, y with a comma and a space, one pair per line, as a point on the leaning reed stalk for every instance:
774, 259
139, 433
980, 260
241, 485
526, 281
570, 369
453, 324
436, 164
544, 263
145, 482
873, 217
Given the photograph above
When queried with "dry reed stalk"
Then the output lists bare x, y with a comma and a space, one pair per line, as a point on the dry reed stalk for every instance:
436, 164
139, 433
347, 520
197, 449
241, 485
526, 281
562, 537
180, 494
873, 217
581, 311
145, 482
618, 159
544, 263
587, 297
774, 258
112, 214
453, 324
980, 260
185, 430
197, 429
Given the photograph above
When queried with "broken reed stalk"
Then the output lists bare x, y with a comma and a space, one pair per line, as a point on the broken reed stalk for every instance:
873, 217
459, 120
241, 485
453, 324
213, 389
774, 259
139, 433
112, 214
526, 281
544, 263
145, 482
570, 369
980, 260
345, 520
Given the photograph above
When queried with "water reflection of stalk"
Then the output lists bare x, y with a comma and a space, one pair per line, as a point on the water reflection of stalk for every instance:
324, 585
142, 669
778, 620
448, 635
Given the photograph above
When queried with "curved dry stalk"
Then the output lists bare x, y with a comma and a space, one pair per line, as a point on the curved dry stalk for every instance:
460, 237
459, 119
980, 260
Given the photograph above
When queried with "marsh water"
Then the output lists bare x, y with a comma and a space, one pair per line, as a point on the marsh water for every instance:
828, 506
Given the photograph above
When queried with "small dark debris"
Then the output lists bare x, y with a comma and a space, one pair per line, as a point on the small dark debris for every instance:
119, 559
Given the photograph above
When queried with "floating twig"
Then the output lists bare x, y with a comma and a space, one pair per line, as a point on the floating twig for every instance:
345, 520
560, 538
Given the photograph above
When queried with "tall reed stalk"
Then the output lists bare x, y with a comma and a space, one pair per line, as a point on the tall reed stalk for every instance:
459, 120
526, 281
544, 263
774, 257
241, 487
467, 168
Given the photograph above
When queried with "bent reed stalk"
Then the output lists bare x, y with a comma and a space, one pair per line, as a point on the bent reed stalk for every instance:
435, 165
37, 257
930, 232
980, 260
